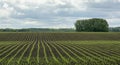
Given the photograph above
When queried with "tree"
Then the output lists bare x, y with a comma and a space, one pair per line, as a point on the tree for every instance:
92, 25
114, 29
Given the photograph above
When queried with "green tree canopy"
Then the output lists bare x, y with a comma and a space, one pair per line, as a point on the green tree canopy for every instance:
92, 25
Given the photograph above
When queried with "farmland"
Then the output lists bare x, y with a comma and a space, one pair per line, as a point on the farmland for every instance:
60, 48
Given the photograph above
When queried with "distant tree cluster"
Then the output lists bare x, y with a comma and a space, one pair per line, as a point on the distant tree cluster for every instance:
92, 25
114, 29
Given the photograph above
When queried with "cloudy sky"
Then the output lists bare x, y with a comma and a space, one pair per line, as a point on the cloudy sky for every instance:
56, 13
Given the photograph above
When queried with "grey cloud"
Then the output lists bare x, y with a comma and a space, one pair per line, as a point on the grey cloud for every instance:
108, 5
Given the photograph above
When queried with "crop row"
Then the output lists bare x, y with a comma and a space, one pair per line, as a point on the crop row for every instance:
42, 49
59, 36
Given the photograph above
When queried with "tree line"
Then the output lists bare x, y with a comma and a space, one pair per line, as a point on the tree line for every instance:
111, 29
86, 25
114, 29
38, 30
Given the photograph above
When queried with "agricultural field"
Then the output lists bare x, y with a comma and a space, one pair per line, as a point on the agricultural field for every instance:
60, 48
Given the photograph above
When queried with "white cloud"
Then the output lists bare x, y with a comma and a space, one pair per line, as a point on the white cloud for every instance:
32, 23
23, 6
4, 13
56, 13
114, 22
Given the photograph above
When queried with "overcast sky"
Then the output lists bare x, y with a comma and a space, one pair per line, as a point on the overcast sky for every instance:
56, 13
